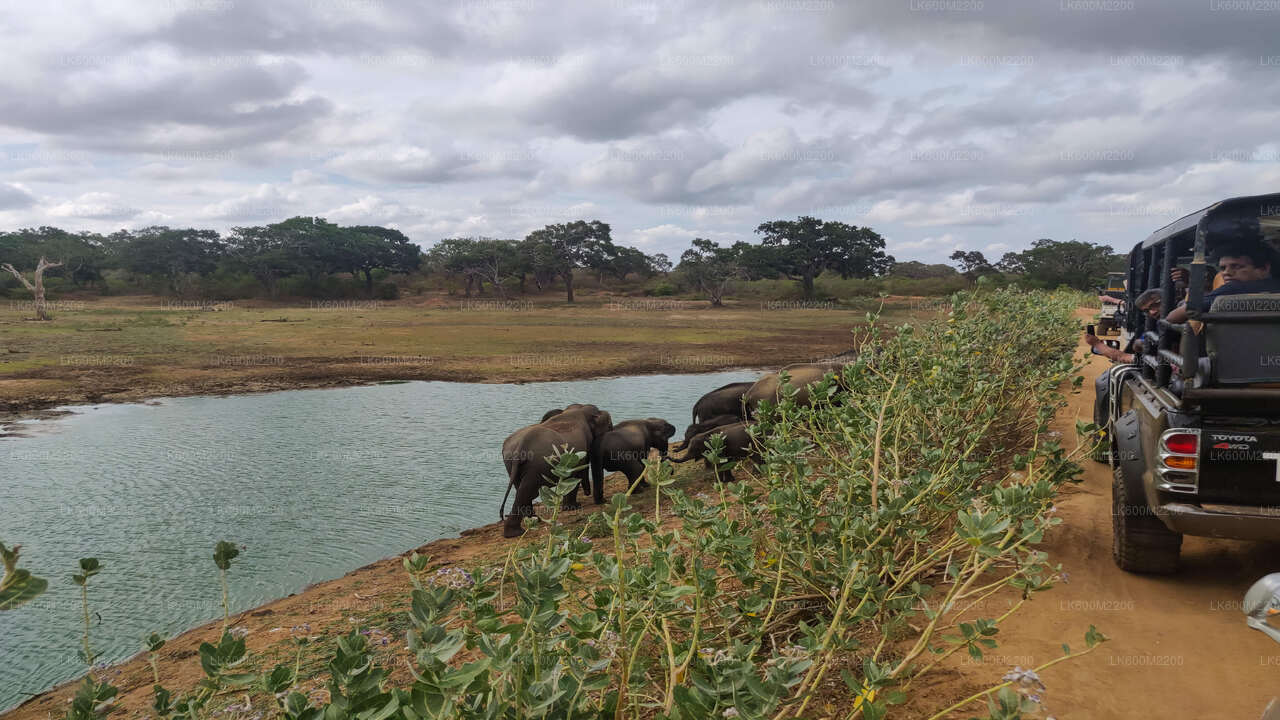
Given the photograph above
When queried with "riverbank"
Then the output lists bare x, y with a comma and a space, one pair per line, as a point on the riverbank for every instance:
130, 349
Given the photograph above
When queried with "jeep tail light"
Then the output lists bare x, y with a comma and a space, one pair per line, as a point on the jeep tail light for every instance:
1178, 466
1182, 443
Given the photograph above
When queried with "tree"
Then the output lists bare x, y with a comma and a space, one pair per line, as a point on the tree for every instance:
628, 260
478, 260
972, 263
711, 267
262, 253
82, 255
365, 248
36, 287
1011, 263
171, 252
660, 262
802, 249
917, 270
1074, 263
572, 245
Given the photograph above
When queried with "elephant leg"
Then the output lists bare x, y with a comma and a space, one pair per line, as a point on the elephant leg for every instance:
526, 491
634, 470
570, 501
725, 476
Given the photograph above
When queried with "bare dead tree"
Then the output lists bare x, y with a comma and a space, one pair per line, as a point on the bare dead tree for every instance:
37, 288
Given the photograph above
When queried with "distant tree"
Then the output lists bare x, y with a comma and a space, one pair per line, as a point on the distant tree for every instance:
36, 284
972, 263
711, 268
920, 271
804, 248
171, 253
1074, 263
629, 260
1011, 263
82, 255
263, 253
577, 244
478, 260
660, 262
365, 248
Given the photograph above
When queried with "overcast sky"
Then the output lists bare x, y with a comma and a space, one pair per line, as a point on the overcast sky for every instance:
943, 124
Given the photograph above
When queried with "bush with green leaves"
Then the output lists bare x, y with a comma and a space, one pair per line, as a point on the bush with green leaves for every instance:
858, 550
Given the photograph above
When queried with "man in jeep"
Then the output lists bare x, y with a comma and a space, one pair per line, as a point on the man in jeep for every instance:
1149, 303
1245, 268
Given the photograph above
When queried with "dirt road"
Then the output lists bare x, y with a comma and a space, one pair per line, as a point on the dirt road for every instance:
1179, 647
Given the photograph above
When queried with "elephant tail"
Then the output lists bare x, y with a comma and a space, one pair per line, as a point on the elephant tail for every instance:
512, 473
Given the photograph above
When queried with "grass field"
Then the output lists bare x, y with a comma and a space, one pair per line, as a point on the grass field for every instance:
129, 348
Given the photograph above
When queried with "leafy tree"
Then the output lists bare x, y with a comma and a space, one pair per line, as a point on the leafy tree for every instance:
660, 262
572, 245
628, 260
81, 256
263, 253
972, 263
802, 249
711, 267
1074, 263
920, 271
1011, 263
171, 252
365, 248
478, 260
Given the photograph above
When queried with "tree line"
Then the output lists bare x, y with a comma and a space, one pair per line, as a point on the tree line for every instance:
312, 254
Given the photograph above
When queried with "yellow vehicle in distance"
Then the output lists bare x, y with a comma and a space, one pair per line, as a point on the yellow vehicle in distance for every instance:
1111, 317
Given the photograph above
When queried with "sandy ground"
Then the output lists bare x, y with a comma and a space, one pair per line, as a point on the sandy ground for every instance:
1179, 647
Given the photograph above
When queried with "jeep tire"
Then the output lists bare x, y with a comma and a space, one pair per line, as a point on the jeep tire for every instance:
1140, 543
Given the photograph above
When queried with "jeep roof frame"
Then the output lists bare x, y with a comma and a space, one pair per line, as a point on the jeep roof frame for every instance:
1252, 217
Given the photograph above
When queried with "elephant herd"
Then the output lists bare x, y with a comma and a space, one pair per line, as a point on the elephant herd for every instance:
529, 452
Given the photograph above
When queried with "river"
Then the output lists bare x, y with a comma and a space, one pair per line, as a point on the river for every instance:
313, 484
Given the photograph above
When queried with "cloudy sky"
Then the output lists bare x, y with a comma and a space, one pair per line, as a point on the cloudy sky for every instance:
943, 124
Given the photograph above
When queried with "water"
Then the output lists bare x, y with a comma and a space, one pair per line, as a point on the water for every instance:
314, 483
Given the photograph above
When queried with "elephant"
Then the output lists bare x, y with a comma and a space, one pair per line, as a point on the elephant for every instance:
525, 453
801, 375
724, 400
706, 425
550, 414
627, 446
738, 445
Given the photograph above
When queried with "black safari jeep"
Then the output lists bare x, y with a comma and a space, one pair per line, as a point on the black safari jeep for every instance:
1194, 422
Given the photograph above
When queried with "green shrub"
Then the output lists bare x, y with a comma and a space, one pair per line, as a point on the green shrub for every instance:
916, 485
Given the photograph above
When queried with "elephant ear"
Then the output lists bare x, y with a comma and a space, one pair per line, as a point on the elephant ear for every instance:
603, 422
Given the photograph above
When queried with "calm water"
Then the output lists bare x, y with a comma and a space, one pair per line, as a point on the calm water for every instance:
314, 483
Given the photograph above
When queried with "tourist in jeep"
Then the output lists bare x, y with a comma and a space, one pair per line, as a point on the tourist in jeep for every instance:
1245, 268
1149, 303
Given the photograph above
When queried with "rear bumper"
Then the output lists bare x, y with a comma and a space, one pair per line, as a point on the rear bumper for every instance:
1241, 522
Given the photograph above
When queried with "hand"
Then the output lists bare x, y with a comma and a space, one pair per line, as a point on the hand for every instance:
1092, 340
1180, 276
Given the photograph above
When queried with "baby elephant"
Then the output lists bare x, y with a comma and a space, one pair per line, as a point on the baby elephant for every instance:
738, 444
626, 447
705, 425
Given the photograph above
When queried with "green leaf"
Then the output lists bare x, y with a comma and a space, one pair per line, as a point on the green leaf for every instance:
223, 553
19, 587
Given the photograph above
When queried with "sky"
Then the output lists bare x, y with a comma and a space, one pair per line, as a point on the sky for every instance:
942, 124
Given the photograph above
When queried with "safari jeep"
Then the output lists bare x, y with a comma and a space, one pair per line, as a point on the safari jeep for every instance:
1194, 422
1111, 317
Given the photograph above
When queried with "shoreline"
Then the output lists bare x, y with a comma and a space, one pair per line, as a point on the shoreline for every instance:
52, 409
